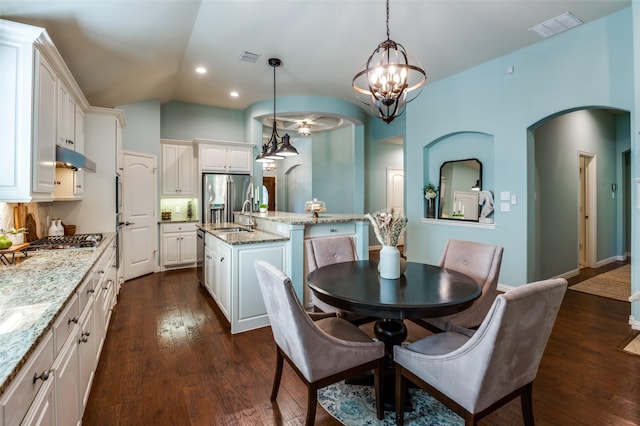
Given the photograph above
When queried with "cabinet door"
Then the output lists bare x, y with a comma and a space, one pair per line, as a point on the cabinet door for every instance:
88, 348
213, 158
65, 118
239, 159
224, 278
67, 383
44, 132
171, 249
42, 411
185, 170
188, 247
78, 176
170, 163
209, 269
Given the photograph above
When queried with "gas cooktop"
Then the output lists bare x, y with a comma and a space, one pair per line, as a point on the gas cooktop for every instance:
79, 241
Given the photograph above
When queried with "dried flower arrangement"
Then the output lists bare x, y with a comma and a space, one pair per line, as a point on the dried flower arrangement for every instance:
388, 226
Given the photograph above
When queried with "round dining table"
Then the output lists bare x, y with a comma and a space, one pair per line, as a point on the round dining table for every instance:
422, 291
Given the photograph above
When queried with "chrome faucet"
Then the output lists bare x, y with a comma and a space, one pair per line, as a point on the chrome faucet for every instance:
251, 224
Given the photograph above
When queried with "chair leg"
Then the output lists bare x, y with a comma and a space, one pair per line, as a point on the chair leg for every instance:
312, 402
378, 380
401, 391
526, 399
278, 375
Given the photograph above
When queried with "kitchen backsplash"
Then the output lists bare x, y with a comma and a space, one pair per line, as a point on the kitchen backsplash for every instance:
40, 211
179, 208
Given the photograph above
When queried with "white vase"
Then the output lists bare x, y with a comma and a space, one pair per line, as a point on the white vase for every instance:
389, 264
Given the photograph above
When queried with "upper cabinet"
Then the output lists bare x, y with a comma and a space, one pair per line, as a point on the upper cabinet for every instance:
225, 157
39, 100
178, 171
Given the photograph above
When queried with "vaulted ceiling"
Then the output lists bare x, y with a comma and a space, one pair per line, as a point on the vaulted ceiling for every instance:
125, 51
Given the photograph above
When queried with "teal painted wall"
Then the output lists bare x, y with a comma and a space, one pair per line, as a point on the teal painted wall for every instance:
185, 121
587, 66
334, 170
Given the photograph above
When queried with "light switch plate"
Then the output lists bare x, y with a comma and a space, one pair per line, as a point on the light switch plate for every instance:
505, 196
514, 199
505, 207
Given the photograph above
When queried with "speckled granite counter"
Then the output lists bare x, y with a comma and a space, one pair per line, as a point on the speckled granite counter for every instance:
235, 238
306, 218
37, 289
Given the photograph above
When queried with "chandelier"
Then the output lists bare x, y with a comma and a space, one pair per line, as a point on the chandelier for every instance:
304, 129
271, 150
388, 81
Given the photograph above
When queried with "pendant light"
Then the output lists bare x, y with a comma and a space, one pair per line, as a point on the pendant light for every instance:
271, 151
388, 81
304, 129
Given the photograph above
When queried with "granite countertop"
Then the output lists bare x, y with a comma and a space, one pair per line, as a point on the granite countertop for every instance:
37, 289
236, 238
307, 218
178, 221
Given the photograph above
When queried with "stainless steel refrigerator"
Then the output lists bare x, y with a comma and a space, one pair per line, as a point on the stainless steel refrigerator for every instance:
222, 194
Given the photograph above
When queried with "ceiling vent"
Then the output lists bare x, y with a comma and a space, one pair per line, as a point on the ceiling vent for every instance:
249, 57
556, 25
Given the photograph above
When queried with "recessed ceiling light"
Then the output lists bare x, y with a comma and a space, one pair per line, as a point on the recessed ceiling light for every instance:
234, 94
556, 25
201, 70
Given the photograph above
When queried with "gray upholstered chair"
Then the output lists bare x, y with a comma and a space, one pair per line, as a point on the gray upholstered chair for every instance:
475, 372
327, 251
321, 352
482, 263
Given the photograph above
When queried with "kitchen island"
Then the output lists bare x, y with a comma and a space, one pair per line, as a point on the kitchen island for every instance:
300, 226
54, 305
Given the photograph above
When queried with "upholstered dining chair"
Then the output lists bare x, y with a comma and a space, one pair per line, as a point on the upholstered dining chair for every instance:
480, 262
326, 251
321, 352
475, 372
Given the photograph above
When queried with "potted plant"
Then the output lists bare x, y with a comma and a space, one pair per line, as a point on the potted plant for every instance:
263, 208
430, 193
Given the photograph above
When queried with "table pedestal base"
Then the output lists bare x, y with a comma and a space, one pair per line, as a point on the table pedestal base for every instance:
391, 332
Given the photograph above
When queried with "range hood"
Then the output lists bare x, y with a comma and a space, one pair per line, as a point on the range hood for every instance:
73, 160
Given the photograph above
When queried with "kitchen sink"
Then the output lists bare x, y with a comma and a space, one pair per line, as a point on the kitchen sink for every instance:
235, 229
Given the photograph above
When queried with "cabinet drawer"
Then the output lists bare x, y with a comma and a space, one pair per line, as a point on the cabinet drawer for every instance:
329, 229
23, 390
178, 227
65, 323
87, 288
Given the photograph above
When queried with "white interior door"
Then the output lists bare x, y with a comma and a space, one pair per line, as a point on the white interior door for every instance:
395, 193
139, 215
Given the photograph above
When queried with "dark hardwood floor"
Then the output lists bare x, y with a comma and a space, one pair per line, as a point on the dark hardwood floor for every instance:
169, 359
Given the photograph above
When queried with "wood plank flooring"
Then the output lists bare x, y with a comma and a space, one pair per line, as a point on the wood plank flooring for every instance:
169, 359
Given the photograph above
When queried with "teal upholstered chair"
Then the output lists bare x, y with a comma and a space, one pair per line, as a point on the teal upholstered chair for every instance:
475, 372
480, 262
321, 352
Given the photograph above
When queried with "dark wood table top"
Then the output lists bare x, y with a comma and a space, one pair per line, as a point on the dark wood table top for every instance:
424, 291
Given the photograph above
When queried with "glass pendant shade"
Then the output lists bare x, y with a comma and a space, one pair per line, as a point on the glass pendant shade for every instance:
304, 129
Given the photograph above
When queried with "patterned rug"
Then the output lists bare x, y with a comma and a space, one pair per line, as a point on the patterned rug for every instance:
632, 346
615, 284
354, 405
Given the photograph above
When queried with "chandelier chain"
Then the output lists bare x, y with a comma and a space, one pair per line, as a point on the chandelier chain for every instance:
388, 33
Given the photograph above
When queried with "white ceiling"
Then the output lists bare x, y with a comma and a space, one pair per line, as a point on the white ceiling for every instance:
126, 51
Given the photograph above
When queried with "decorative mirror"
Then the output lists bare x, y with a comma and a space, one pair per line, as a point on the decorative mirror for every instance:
460, 186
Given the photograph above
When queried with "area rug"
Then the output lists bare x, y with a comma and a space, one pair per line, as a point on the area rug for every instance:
632, 345
354, 405
615, 284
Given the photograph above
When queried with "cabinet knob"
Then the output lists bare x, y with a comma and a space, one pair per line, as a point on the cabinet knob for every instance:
91, 290
57, 182
333, 230
84, 337
73, 320
42, 376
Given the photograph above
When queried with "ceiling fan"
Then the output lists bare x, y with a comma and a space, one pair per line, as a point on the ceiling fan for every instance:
317, 122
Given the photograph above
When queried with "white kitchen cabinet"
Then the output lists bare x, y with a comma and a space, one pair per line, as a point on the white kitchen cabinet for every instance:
67, 383
178, 174
87, 350
43, 411
225, 157
31, 70
66, 116
25, 388
178, 244
231, 279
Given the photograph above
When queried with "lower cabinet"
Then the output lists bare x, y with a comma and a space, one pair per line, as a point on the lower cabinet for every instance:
53, 386
231, 279
178, 245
